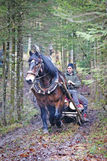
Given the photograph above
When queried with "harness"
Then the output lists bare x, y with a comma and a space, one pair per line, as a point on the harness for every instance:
39, 89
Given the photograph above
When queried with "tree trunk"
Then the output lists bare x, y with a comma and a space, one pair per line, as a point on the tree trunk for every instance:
5, 76
62, 57
21, 70
12, 100
29, 43
19, 81
94, 56
74, 54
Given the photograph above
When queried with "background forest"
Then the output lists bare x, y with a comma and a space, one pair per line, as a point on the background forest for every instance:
65, 30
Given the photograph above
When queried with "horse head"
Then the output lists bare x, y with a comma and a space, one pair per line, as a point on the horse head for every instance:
35, 67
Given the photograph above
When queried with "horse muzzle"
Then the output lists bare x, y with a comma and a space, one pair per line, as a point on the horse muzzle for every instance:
29, 81
30, 78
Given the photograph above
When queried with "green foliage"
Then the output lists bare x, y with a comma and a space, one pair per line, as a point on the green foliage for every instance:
0, 71
84, 63
85, 35
93, 149
9, 128
87, 82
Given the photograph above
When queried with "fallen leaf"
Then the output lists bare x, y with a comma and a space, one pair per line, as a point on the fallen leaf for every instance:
33, 144
24, 155
44, 145
32, 150
105, 139
86, 159
41, 137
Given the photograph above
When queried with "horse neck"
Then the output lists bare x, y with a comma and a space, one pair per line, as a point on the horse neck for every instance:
46, 80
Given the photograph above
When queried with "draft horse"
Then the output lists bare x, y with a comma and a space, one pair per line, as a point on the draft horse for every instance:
47, 88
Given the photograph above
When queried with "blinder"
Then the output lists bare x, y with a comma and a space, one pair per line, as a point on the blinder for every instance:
36, 65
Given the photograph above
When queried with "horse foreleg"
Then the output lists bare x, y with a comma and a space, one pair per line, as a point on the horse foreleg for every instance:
58, 105
44, 118
58, 113
51, 110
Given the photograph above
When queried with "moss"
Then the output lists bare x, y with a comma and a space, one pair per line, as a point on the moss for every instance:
93, 149
0, 72
9, 128
97, 137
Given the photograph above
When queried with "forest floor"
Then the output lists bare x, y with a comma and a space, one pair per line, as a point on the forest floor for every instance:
72, 142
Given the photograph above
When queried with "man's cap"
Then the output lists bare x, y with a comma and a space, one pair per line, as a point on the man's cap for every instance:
70, 65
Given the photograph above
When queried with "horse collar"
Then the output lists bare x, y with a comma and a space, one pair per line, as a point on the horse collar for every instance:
41, 90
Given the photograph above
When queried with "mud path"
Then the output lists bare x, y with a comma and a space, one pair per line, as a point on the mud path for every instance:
69, 143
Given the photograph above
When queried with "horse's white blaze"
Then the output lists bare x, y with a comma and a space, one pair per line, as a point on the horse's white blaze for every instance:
30, 77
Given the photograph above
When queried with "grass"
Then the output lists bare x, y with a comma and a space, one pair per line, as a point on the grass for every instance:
0, 71
97, 137
27, 114
26, 117
9, 128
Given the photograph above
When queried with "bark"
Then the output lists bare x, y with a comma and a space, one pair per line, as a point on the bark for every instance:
19, 81
12, 101
95, 55
5, 77
62, 57
74, 53
21, 70
57, 56
29, 43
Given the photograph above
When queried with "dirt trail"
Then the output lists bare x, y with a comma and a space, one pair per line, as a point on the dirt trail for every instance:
29, 143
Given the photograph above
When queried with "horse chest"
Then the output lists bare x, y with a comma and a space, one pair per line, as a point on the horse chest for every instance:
48, 98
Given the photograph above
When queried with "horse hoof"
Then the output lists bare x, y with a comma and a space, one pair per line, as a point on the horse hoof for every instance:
45, 131
57, 117
59, 124
52, 124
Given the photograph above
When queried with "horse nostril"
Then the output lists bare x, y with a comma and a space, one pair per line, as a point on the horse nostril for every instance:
29, 81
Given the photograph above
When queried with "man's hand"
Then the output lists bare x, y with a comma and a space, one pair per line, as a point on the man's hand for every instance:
70, 82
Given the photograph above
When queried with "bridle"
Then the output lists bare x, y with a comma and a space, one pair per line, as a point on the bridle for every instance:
30, 72
39, 67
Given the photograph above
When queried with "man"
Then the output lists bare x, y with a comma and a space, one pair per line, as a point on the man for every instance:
73, 83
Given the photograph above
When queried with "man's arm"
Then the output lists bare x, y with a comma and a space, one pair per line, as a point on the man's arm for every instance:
77, 82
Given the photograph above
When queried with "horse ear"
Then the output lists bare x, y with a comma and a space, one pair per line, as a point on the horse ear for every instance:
30, 53
37, 54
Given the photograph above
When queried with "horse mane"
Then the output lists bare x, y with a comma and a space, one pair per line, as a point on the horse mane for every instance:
49, 66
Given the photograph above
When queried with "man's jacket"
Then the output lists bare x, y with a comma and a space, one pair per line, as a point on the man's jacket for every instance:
73, 77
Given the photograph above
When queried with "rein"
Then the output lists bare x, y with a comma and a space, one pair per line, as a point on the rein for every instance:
30, 72
41, 76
